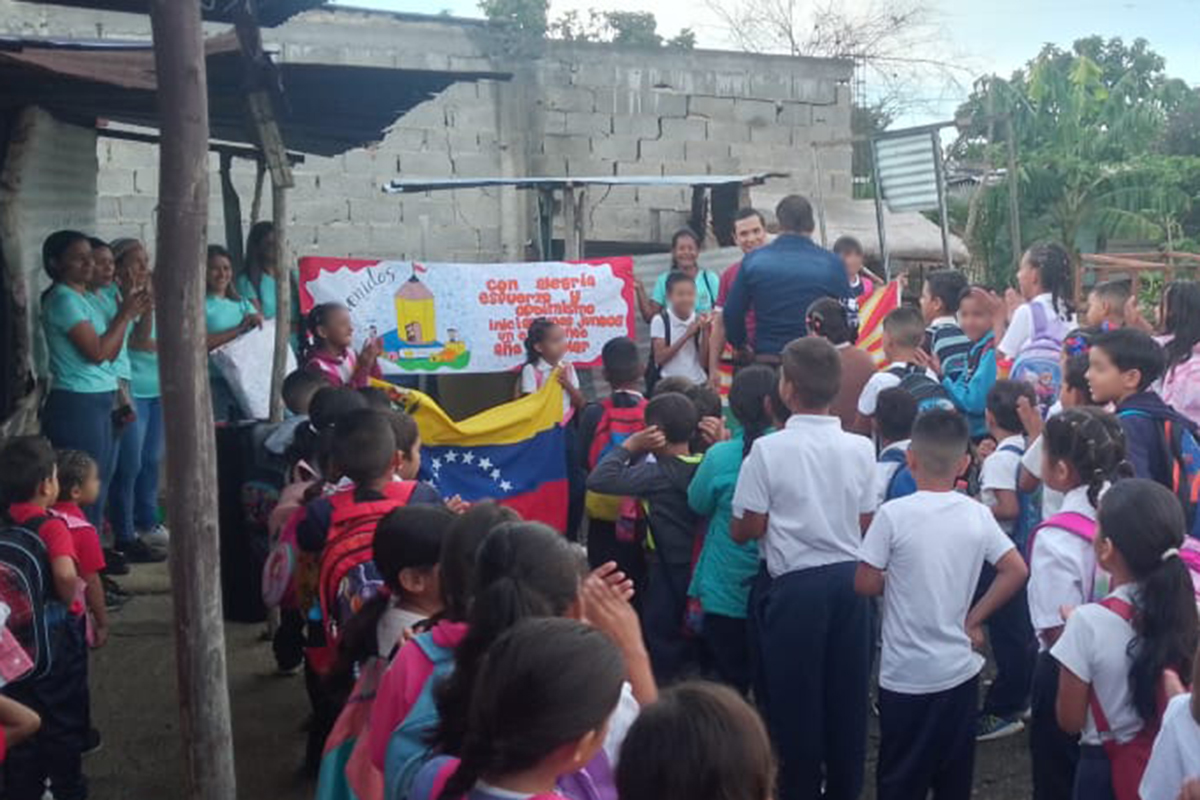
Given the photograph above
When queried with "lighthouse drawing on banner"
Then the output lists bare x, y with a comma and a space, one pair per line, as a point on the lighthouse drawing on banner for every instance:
414, 345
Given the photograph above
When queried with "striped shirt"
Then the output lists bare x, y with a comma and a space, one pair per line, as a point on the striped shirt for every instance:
946, 340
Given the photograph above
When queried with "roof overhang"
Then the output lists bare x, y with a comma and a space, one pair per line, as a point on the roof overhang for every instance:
270, 12
551, 183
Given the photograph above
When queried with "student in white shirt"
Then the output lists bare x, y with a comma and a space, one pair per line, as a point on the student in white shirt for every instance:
677, 350
1175, 760
1044, 277
807, 493
903, 332
1140, 530
923, 553
1009, 630
545, 351
895, 413
1084, 449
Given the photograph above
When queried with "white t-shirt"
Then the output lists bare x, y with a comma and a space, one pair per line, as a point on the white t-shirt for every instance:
887, 469
932, 545
534, 376
1176, 755
1062, 568
883, 379
813, 480
1095, 647
686, 362
999, 471
1020, 328
1052, 499
391, 627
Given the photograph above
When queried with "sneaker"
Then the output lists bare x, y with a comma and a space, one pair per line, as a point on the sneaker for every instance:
990, 727
94, 742
158, 536
138, 552
115, 563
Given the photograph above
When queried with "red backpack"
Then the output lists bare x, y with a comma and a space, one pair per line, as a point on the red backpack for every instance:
615, 426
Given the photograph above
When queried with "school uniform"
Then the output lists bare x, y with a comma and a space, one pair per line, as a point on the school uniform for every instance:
1052, 499
1062, 567
887, 467
1010, 632
1021, 327
932, 545
339, 369
944, 339
885, 378
1176, 755
1094, 646
686, 361
811, 631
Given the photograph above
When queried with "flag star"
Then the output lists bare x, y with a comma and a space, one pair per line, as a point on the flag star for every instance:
468, 458
505, 486
437, 464
485, 464
451, 457
495, 474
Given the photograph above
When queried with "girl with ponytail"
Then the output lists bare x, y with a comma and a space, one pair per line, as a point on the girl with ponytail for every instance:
1044, 279
721, 578
1123, 656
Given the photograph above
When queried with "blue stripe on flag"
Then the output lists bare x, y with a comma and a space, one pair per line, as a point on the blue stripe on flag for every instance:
496, 471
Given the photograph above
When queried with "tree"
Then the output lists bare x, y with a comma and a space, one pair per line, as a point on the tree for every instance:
524, 16
623, 28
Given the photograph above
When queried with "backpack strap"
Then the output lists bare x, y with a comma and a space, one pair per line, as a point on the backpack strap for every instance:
1124, 610
1012, 448
893, 455
1070, 521
1038, 312
666, 318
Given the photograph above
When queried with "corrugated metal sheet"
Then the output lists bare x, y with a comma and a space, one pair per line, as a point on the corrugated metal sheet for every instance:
906, 170
437, 184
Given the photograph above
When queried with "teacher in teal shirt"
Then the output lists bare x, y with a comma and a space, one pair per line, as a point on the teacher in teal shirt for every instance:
227, 316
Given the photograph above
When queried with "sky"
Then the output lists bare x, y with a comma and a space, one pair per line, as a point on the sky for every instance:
985, 36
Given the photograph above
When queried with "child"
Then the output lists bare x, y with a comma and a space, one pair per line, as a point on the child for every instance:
411, 669
329, 350
1106, 305
710, 427
1175, 760
895, 413
18, 724
851, 252
969, 389
1083, 450
521, 743
671, 421
299, 388
678, 333
903, 331
1122, 366
931, 546
1140, 527
807, 492
78, 486
28, 488
1181, 345
827, 318
1044, 279
615, 527
545, 351
699, 740
406, 547
1009, 630
944, 339
725, 569
226, 317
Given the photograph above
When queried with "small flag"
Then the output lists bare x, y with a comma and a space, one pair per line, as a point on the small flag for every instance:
870, 316
514, 453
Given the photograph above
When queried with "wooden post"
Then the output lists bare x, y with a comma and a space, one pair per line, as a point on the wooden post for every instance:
183, 368
572, 247
283, 300
1014, 197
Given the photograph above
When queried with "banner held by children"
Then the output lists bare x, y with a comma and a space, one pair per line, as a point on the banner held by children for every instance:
472, 317
514, 453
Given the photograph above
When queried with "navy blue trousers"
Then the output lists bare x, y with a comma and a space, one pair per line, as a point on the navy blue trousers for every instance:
673, 655
1053, 754
1093, 778
1014, 647
812, 638
727, 650
927, 743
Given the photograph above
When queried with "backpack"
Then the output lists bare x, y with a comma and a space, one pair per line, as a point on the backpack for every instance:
1183, 450
1039, 362
26, 587
928, 393
614, 427
1075, 523
653, 371
348, 577
1029, 503
902, 483
408, 748
975, 356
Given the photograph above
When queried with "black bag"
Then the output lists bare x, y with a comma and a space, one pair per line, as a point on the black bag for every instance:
653, 373
928, 393
27, 588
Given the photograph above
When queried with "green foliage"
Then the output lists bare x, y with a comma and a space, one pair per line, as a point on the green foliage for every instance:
866, 121
529, 17
622, 28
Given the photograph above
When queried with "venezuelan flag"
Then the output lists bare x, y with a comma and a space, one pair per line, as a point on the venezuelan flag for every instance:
870, 319
514, 453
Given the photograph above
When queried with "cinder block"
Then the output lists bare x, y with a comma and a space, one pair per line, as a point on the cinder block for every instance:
548, 166
475, 165
617, 148
404, 137
771, 134
360, 161
690, 129
711, 107
665, 103
115, 182
639, 126
639, 168
567, 98
340, 184
770, 86
660, 149
145, 180
590, 167
731, 84
323, 209
754, 112
566, 145
382, 210
795, 115
553, 121
108, 209
725, 166
456, 140
677, 169
389, 241
490, 242
814, 90
705, 151
595, 74
662, 196
588, 123
131, 155
425, 164
728, 131
138, 208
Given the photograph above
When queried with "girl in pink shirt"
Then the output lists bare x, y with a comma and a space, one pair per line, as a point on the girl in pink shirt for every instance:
331, 334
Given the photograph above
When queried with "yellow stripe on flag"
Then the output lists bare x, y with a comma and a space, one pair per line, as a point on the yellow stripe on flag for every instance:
870, 319
509, 423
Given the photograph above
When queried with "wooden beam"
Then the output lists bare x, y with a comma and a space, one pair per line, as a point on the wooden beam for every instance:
283, 300
183, 368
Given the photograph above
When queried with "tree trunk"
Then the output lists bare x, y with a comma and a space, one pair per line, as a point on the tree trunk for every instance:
283, 300
183, 367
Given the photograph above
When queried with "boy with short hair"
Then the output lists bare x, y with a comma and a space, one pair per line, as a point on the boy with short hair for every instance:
903, 332
28, 488
922, 554
807, 492
671, 421
944, 339
678, 334
1106, 305
614, 525
299, 388
895, 413
1122, 366
1010, 630
851, 251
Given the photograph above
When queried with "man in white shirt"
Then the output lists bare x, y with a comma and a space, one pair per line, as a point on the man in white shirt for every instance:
678, 334
923, 553
807, 492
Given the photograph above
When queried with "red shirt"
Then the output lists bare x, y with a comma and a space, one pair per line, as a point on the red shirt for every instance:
726, 283
88, 552
54, 532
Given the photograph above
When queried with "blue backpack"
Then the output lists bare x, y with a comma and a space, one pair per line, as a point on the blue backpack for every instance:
1039, 362
1183, 452
902, 483
408, 748
1030, 504
928, 393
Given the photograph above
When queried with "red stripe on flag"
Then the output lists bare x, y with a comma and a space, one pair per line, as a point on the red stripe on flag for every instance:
546, 504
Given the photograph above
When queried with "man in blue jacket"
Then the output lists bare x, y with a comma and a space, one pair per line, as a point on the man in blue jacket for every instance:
781, 280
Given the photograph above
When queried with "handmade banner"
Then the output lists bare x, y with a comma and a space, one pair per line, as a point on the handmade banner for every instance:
473, 317
245, 364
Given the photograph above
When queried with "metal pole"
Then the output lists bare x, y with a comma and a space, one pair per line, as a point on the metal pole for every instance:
571, 245
878, 193
283, 299
820, 196
939, 170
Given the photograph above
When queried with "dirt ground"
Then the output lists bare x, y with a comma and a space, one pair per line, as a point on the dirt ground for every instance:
133, 701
